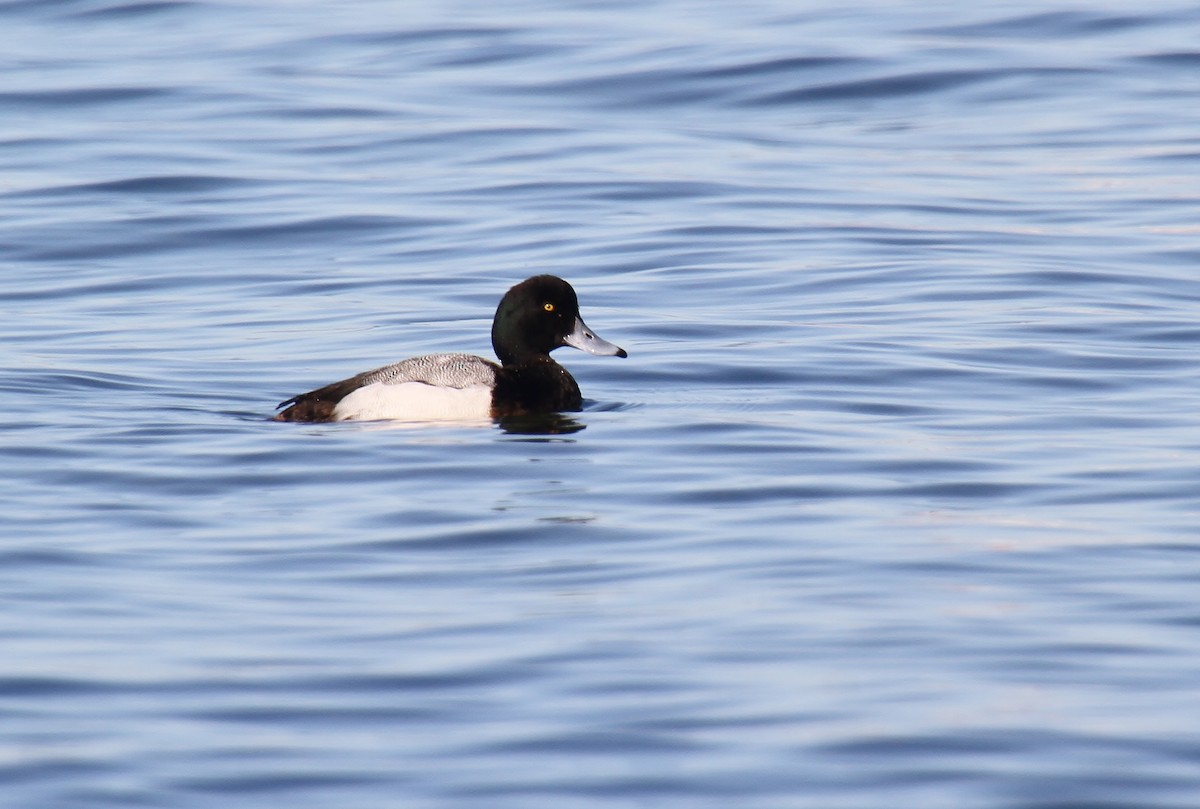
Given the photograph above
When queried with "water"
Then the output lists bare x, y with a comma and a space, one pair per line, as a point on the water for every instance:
894, 502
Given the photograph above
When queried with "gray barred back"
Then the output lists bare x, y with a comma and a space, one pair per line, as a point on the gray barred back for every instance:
439, 370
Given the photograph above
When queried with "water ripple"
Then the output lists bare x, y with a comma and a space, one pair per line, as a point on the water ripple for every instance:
892, 502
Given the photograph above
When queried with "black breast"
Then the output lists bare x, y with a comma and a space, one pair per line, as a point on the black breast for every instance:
542, 386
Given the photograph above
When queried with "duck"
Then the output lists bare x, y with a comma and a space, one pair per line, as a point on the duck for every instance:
534, 318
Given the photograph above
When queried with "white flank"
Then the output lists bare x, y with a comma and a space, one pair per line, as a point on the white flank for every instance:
415, 401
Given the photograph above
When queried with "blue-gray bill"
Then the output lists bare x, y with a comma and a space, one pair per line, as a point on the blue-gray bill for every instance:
585, 339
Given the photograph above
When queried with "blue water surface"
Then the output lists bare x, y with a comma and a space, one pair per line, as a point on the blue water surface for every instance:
895, 502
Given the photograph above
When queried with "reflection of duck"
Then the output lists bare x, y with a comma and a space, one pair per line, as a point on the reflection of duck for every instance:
535, 317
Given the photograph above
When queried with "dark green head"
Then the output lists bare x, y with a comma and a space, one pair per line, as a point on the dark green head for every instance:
539, 315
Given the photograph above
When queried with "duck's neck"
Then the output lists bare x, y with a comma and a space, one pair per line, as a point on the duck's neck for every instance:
511, 355
537, 386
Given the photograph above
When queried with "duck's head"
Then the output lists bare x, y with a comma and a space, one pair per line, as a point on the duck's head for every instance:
539, 315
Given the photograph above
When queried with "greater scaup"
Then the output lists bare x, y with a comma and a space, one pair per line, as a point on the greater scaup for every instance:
535, 317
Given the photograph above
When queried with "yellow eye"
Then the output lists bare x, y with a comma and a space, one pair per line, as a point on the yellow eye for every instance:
549, 307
